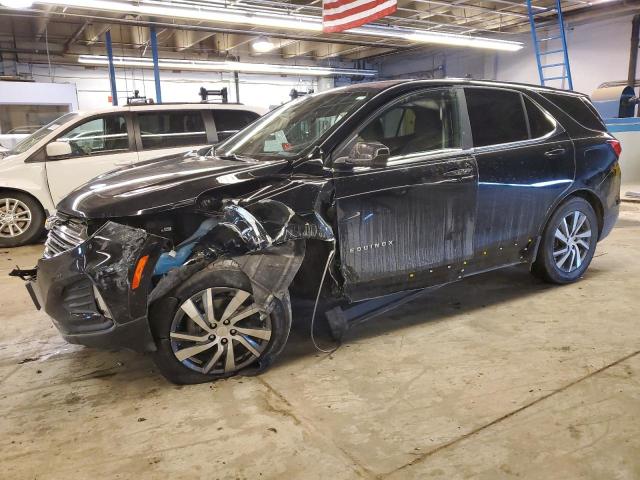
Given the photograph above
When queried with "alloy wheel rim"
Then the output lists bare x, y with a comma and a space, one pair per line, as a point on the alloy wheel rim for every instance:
572, 241
15, 217
219, 330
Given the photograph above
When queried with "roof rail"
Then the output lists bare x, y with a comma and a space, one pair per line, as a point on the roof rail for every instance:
223, 93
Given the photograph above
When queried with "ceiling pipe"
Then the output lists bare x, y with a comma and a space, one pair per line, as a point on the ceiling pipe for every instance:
295, 23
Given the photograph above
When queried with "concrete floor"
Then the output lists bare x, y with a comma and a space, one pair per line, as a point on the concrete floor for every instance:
499, 376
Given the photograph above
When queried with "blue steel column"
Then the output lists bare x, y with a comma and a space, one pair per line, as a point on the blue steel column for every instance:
156, 68
112, 71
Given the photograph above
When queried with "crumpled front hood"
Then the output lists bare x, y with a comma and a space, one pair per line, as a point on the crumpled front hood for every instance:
160, 184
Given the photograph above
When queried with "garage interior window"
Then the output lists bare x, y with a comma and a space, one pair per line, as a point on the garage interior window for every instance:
496, 116
99, 135
171, 129
26, 119
229, 122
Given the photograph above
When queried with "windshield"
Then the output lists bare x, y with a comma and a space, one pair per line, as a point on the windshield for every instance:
28, 142
292, 128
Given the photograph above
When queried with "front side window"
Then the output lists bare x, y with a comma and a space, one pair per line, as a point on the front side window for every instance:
99, 135
421, 122
171, 129
496, 116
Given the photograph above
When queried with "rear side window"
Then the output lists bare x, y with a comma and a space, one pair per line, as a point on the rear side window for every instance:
171, 129
539, 122
229, 122
496, 116
578, 108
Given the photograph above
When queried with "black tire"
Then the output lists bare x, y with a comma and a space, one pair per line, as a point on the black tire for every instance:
35, 228
166, 311
546, 265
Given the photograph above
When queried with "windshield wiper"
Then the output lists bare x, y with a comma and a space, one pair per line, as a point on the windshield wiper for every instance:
229, 156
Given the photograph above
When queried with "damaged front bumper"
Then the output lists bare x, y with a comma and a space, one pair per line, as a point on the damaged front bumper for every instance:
89, 292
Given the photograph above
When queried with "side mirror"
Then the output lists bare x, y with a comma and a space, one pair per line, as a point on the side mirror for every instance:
58, 149
366, 154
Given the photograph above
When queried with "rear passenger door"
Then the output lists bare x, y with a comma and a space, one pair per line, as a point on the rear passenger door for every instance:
168, 132
228, 122
525, 161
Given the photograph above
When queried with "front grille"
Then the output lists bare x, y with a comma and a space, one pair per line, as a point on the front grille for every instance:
65, 233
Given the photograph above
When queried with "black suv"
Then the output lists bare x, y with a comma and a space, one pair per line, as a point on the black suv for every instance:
352, 195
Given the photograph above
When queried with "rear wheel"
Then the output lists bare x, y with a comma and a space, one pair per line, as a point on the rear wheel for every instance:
216, 330
21, 219
568, 243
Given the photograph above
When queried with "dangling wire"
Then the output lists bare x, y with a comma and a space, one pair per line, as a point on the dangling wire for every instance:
144, 82
46, 42
315, 306
124, 67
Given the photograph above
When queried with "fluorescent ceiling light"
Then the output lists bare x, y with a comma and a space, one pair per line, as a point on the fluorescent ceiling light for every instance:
224, 66
262, 45
220, 14
17, 3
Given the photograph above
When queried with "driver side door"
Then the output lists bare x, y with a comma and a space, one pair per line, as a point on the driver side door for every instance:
98, 145
409, 224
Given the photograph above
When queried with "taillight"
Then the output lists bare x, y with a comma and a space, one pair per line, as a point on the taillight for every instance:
615, 145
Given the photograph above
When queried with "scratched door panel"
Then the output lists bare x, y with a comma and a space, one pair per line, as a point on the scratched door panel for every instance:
402, 220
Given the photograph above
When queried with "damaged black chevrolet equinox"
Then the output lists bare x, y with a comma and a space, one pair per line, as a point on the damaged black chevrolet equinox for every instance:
362, 193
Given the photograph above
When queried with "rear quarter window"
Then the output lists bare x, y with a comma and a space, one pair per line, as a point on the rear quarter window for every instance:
578, 108
540, 123
229, 122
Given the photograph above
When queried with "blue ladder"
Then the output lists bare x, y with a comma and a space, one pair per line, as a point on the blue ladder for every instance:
557, 69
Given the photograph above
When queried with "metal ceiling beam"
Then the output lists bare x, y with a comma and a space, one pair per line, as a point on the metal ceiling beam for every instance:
255, 33
185, 39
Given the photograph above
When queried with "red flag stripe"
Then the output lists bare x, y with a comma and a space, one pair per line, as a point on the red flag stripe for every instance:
352, 11
342, 5
359, 22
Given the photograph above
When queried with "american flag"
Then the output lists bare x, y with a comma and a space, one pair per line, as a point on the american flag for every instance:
339, 15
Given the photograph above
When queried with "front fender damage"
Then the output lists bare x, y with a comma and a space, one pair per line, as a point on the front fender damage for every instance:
265, 239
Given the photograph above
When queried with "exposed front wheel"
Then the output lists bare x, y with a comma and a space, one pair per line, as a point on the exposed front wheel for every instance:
568, 242
21, 219
216, 329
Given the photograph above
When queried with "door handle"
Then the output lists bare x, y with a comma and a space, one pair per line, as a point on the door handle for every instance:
556, 152
122, 164
459, 172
